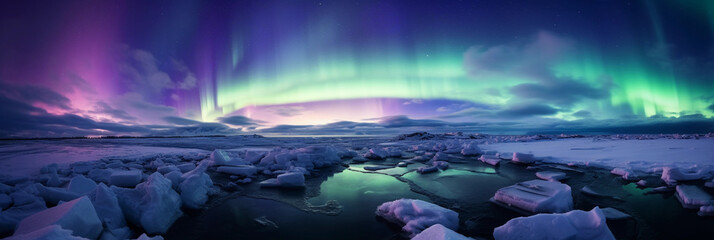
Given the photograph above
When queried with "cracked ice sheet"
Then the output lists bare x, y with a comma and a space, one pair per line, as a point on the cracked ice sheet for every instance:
640, 155
27, 159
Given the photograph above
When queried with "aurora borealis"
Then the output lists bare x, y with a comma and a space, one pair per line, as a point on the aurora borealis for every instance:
81, 68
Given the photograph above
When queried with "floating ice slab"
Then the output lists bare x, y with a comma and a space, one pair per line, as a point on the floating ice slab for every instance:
439, 232
244, 170
573, 225
435, 166
692, 196
536, 196
153, 204
523, 158
706, 210
626, 174
551, 175
289, 180
490, 160
672, 175
417, 215
51, 232
128, 178
77, 215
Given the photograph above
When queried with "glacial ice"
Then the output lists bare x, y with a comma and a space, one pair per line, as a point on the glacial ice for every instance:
536, 196
575, 225
417, 215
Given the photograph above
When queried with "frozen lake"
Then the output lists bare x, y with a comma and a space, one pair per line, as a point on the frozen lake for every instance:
339, 197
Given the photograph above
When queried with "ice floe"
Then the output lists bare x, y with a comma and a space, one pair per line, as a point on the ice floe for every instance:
692, 196
536, 196
77, 215
417, 215
153, 205
575, 225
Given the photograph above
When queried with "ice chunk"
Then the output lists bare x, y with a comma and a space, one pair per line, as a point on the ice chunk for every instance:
470, 149
573, 225
440, 156
153, 204
614, 214
435, 166
692, 196
167, 169
706, 210
626, 174
107, 206
417, 215
709, 184
536, 196
50, 232
254, 156
288, 179
551, 175
146, 237
129, 178
439, 232
5, 201
195, 186
491, 160
186, 167
377, 168
244, 170
523, 158
54, 195
24, 204
672, 175
81, 185
222, 158
376, 153
77, 215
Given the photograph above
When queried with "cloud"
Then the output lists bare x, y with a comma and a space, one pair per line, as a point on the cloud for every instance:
414, 101
582, 114
200, 129
180, 121
35, 94
403, 121
239, 121
563, 92
104, 108
528, 110
287, 111
24, 120
532, 62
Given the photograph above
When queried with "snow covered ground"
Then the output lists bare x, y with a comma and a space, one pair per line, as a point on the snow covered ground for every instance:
449, 179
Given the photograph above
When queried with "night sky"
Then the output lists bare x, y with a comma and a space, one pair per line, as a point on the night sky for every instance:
88, 68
